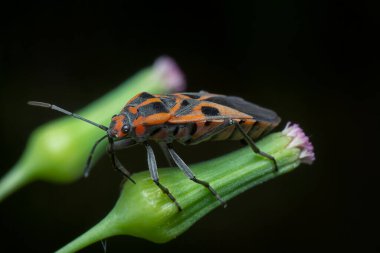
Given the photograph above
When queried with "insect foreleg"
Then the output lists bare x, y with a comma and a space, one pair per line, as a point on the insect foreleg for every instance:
87, 169
254, 147
123, 144
116, 163
182, 165
154, 174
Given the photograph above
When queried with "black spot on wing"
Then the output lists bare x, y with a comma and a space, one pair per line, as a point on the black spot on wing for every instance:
185, 103
186, 106
152, 108
210, 111
146, 95
237, 103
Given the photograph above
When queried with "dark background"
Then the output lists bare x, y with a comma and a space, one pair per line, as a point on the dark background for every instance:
313, 62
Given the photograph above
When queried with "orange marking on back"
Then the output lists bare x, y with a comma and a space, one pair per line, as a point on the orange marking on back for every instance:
187, 118
148, 101
224, 110
134, 97
138, 121
156, 119
132, 110
177, 105
181, 96
197, 115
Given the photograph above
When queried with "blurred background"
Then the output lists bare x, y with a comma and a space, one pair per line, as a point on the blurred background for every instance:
313, 62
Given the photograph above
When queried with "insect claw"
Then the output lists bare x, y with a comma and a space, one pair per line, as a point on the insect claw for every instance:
178, 206
86, 173
133, 181
275, 165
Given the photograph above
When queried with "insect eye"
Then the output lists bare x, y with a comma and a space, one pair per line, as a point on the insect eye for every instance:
125, 129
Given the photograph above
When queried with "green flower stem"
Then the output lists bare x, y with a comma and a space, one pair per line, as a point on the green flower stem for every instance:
58, 150
15, 179
144, 211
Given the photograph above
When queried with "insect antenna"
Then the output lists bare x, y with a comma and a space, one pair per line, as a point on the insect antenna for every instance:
59, 109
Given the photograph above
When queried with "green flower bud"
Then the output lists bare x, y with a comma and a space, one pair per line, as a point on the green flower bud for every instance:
57, 151
142, 210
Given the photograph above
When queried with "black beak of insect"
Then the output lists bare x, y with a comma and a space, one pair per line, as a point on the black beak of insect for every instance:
112, 133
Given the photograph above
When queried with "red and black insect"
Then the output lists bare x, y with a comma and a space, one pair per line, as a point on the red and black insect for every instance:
188, 118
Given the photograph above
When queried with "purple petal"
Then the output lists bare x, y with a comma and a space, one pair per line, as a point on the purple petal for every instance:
300, 140
169, 71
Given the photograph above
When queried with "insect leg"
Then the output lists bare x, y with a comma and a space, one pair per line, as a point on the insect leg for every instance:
104, 245
119, 145
166, 153
87, 168
154, 174
123, 144
116, 163
182, 165
254, 147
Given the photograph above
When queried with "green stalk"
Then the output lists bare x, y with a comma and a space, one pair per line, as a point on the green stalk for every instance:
144, 211
57, 151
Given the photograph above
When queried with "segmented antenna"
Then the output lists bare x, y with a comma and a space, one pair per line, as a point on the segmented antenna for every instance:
59, 109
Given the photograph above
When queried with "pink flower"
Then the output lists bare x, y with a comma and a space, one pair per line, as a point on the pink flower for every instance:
301, 141
169, 71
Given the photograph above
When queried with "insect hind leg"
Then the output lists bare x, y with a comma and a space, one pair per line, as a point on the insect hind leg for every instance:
154, 174
255, 149
182, 165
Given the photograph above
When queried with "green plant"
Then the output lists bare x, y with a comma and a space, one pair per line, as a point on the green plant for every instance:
144, 211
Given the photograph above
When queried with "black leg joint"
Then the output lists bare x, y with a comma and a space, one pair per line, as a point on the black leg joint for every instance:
167, 192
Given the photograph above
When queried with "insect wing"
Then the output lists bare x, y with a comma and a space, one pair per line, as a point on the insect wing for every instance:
257, 112
193, 110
